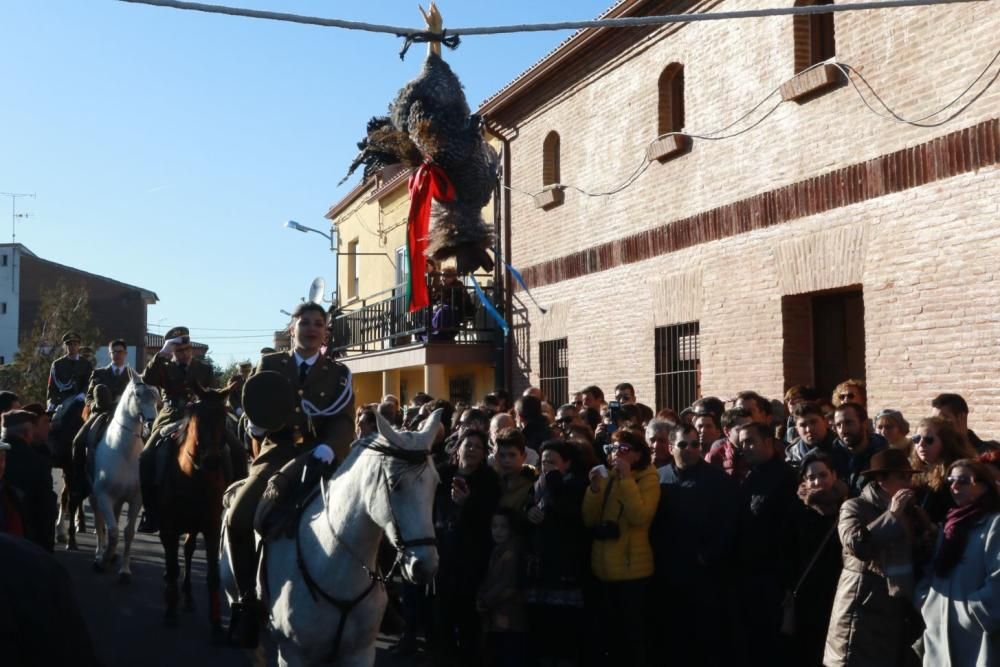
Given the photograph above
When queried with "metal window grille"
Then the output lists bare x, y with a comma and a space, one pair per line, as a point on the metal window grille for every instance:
553, 358
678, 366
460, 390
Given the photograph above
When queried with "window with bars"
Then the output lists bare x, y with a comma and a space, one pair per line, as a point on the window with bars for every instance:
678, 366
553, 378
460, 390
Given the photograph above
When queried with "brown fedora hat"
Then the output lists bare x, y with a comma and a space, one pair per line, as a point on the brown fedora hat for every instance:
889, 460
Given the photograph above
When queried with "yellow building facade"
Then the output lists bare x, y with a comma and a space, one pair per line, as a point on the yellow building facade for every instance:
385, 346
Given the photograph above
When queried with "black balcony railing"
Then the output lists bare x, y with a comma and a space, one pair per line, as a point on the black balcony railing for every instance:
382, 321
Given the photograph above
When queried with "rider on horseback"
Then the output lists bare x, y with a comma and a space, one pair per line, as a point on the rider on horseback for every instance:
175, 371
115, 376
69, 374
321, 421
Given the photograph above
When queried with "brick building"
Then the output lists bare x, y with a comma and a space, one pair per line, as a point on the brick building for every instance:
825, 243
118, 310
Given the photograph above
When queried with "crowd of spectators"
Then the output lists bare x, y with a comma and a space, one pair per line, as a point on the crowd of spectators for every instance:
799, 532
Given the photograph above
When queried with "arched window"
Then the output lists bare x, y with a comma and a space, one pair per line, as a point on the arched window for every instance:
813, 36
550, 159
671, 99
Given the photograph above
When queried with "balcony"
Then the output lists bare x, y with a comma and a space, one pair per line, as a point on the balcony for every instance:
379, 333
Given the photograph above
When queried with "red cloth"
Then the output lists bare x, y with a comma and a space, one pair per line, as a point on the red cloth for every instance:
428, 182
11, 522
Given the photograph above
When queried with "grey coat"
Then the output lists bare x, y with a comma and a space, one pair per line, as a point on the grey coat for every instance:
868, 624
962, 610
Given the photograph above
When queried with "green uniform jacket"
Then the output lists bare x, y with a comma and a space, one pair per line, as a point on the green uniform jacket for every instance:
106, 375
176, 385
67, 378
328, 382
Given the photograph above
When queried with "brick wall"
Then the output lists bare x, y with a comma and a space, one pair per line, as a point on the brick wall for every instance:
823, 195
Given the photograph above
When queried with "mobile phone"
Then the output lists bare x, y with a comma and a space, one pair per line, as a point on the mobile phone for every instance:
614, 411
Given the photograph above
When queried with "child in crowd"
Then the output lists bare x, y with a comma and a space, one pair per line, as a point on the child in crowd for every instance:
499, 598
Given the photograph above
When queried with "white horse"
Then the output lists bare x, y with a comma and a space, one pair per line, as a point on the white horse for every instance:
116, 473
322, 589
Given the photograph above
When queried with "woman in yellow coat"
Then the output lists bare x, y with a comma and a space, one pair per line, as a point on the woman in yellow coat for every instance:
618, 508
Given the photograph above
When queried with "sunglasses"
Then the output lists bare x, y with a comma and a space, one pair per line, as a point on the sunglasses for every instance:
846, 397
684, 444
621, 449
929, 439
961, 480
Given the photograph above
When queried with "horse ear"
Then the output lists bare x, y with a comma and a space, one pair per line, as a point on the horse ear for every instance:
429, 429
134, 377
385, 428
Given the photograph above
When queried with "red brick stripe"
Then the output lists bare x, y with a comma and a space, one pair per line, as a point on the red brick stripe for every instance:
950, 155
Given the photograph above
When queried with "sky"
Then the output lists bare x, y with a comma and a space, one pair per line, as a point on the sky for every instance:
167, 148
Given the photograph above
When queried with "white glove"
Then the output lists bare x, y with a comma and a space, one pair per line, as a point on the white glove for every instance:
169, 345
324, 454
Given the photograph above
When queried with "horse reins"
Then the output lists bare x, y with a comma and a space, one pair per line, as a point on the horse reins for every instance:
345, 607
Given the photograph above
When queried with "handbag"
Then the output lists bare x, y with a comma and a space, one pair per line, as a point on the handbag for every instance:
788, 605
607, 530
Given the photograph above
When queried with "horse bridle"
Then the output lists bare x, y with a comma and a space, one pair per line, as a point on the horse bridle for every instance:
414, 458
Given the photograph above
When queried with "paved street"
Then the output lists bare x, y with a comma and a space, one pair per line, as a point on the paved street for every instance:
126, 621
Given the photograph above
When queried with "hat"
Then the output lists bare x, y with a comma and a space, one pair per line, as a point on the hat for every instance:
18, 417
267, 350
71, 336
178, 332
246, 364
268, 400
889, 460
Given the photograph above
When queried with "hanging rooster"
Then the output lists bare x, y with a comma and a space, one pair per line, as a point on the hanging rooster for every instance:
429, 126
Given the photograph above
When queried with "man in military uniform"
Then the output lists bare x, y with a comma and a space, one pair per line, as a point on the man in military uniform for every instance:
175, 371
115, 376
69, 374
321, 421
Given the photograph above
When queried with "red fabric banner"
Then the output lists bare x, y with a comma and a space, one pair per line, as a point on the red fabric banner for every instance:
428, 182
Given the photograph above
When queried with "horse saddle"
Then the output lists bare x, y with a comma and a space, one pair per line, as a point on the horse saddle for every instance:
288, 493
97, 429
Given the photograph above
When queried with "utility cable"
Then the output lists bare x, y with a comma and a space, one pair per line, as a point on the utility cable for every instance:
412, 34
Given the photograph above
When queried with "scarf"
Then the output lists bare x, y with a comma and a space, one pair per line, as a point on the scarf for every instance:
956, 535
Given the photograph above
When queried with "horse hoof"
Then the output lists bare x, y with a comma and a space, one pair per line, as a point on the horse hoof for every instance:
61, 538
124, 578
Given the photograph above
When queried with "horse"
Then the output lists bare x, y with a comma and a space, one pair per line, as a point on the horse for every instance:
66, 423
191, 501
323, 591
116, 473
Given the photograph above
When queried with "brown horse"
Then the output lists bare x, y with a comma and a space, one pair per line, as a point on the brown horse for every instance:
191, 501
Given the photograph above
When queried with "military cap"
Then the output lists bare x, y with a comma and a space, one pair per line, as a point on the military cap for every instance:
178, 332
18, 417
71, 336
267, 350
246, 364
268, 400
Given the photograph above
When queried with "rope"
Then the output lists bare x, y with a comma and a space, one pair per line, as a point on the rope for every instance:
413, 35
451, 41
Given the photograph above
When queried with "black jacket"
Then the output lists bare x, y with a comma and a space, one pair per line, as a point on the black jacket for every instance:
766, 498
695, 524
464, 531
559, 553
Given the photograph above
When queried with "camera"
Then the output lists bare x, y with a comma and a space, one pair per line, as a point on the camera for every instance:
607, 530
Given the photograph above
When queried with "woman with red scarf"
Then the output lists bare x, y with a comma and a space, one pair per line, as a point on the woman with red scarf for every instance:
960, 595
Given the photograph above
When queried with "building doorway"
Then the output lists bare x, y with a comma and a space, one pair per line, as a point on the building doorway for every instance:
824, 337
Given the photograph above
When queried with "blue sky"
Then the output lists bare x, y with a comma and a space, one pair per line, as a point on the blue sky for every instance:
167, 147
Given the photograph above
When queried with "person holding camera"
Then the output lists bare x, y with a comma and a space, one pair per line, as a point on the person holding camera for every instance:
618, 507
